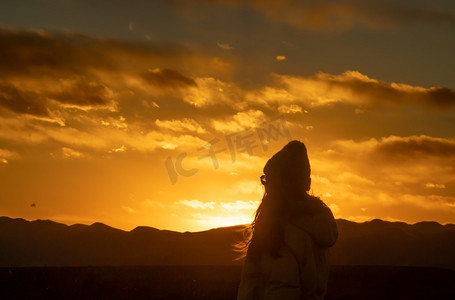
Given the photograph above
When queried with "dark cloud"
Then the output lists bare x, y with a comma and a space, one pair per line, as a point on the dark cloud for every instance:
439, 96
67, 69
417, 147
382, 92
343, 15
24, 52
79, 93
21, 102
167, 78
84, 93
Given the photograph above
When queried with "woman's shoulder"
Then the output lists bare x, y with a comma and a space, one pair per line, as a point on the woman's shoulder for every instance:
315, 218
308, 205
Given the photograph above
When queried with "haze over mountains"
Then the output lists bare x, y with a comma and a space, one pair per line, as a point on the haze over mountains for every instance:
377, 242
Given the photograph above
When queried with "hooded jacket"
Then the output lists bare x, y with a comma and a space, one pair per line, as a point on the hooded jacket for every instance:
301, 272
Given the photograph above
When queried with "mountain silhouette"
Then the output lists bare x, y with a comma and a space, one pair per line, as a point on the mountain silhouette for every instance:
47, 243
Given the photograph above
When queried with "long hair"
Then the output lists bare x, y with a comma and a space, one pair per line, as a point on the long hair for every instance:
286, 180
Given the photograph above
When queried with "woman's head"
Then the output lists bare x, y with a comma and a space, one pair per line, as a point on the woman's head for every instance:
288, 171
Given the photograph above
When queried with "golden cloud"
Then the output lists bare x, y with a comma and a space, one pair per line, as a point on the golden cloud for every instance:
354, 88
71, 153
210, 91
186, 124
409, 176
239, 205
196, 204
6, 155
240, 121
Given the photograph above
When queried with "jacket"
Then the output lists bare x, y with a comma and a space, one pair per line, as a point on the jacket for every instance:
302, 270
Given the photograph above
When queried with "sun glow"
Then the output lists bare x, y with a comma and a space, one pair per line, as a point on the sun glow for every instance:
214, 221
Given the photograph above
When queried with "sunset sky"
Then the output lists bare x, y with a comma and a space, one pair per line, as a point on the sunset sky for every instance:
108, 108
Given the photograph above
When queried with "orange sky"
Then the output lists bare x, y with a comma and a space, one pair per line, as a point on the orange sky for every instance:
102, 106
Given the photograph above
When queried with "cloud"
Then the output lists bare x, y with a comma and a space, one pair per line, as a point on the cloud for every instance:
435, 185
6, 155
240, 121
153, 203
32, 52
19, 130
22, 102
276, 95
128, 209
431, 202
83, 71
319, 15
210, 91
89, 134
131, 27
344, 15
71, 153
84, 84
247, 187
240, 205
186, 124
196, 204
29, 51
81, 93
416, 147
225, 46
394, 161
397, 164
289, 109
45, 100
407, 177
334, 208
115, 122
43, 75
289, 93
118, 150
167, 78
357, 89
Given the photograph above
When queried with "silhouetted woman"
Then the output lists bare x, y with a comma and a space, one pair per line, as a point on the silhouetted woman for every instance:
288, 252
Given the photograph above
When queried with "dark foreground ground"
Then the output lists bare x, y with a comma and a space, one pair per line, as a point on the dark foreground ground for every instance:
220, 283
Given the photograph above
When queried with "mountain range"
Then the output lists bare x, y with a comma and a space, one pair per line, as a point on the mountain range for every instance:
47, 243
